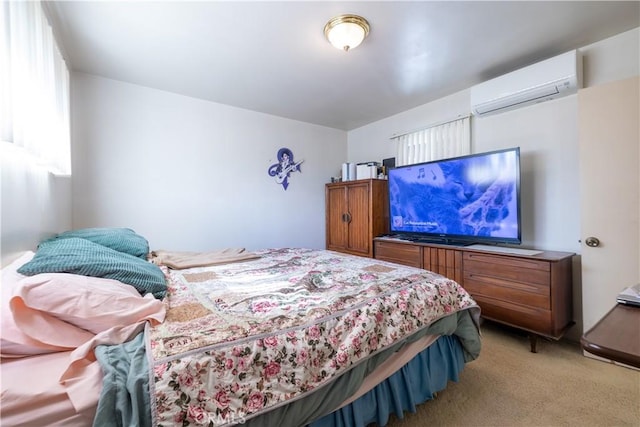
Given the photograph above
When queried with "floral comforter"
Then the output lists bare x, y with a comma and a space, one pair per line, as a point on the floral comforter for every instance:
244, 338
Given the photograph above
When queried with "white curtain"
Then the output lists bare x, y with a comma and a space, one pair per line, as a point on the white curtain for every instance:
442, 141
34, 106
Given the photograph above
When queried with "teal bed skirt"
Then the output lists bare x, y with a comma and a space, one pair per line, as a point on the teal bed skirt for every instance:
416, 382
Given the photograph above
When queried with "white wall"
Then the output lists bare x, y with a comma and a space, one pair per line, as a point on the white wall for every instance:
190, 174
547, 134
35, 204
547, 137
372, 142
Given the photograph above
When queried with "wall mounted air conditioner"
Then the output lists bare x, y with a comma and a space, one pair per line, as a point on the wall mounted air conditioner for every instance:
550, 79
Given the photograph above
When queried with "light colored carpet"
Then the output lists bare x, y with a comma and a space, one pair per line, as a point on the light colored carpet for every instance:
510, 386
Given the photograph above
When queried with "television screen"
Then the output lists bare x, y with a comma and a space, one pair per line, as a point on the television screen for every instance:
474, 198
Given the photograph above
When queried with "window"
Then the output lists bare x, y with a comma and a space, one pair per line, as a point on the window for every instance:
450, 139
34, 103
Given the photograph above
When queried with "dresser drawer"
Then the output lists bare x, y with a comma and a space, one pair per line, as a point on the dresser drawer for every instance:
509, 268
399, 253
530, 294
529, 318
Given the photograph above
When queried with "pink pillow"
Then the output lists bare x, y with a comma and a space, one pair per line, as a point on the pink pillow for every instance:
60, 311
14, 343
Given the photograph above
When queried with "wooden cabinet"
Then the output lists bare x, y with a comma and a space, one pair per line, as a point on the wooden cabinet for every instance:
529, 292
356, 212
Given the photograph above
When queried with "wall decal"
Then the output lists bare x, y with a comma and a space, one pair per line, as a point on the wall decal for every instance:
282, 170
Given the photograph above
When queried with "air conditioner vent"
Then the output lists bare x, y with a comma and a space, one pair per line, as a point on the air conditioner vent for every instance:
546, 80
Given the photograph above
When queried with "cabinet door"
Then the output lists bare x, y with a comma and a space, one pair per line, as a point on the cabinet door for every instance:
447, 262
336, 226
358, 218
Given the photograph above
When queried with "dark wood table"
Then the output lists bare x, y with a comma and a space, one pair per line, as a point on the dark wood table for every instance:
616, 336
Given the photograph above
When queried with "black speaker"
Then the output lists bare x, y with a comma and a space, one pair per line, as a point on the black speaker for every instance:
389, 163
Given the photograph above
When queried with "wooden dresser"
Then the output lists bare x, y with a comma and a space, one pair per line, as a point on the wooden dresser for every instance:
529, 292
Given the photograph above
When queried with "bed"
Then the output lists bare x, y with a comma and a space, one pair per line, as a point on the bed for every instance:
288, 336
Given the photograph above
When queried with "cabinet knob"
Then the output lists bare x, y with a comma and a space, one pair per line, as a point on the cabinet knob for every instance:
593, 242
346, 217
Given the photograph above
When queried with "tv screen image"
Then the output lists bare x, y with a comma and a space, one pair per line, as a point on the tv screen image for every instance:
474, 198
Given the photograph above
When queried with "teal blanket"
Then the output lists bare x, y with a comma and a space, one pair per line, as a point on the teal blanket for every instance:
125, 399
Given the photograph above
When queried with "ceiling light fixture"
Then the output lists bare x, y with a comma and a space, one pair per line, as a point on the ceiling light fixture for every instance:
346, 31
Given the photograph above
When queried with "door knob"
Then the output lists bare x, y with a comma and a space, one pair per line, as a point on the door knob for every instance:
592, 242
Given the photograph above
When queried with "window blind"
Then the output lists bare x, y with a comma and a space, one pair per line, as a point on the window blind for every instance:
34, 106
450, 139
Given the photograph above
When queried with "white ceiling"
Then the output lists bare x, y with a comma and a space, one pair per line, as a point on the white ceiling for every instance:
272, 57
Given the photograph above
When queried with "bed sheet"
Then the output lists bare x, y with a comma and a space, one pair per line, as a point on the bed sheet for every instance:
32, 395
51, 323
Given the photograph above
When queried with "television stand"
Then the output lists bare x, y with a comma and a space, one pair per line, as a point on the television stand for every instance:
531, 291
428, 241
505, 249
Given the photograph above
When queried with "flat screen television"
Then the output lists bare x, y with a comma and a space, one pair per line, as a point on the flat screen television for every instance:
461, 200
